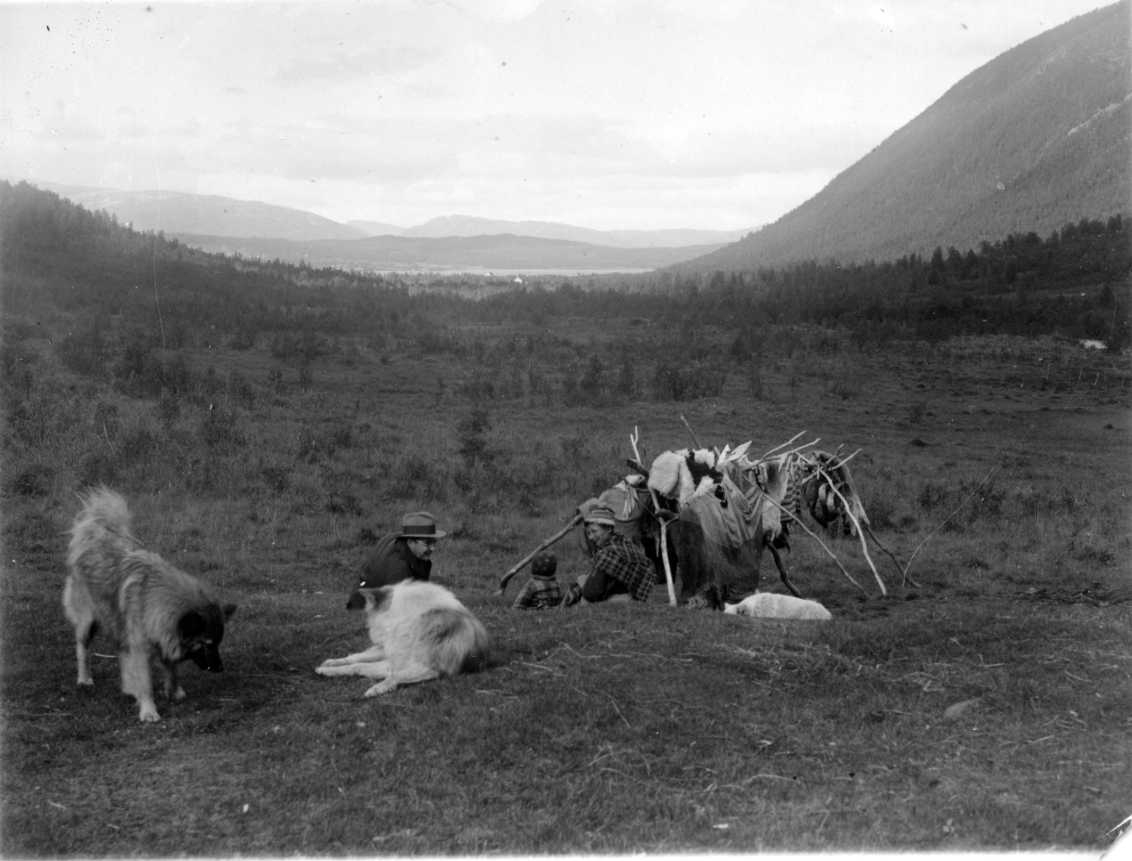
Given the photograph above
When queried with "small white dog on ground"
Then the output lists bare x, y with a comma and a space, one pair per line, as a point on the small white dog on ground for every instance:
420, 631
771, 605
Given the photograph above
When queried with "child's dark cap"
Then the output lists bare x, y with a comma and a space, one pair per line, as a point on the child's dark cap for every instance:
544, 564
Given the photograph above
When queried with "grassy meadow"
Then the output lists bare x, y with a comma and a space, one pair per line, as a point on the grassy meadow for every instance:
985, 706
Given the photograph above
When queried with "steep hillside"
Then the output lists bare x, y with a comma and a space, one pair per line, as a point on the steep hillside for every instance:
1038, 137
176, 212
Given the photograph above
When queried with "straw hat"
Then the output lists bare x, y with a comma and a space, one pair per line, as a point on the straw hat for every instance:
601, 514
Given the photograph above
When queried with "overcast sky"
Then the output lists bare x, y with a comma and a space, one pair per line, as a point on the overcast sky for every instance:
718, 114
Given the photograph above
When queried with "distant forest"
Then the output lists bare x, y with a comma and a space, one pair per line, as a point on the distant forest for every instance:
59, 258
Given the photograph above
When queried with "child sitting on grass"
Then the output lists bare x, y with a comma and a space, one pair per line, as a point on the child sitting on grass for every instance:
541, 591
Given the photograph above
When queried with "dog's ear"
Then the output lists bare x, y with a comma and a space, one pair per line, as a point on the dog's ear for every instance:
229, 610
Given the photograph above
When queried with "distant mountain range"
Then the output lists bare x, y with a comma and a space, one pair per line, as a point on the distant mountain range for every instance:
481, 253
177, 212
466, 225
1039, 136
230, 226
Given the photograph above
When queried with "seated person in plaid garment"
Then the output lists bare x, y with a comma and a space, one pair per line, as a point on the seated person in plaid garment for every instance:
542, 590
620, 569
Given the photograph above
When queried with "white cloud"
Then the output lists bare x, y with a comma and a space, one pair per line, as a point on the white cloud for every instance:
608, 113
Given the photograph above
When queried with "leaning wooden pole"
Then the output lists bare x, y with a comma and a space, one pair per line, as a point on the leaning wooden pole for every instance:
633, 438
557, 536
821, 543
899, 567
664, 556
947, 519
691, 432
860, 532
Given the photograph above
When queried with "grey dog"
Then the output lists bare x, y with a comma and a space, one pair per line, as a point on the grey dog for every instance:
139, 601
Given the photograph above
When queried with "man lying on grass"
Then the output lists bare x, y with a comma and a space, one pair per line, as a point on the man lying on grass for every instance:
620, 570
404, 555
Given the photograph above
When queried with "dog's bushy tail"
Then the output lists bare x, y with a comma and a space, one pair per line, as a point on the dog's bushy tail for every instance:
104, 522
459, 641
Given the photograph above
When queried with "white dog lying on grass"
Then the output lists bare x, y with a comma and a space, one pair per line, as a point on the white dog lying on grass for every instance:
420, 631
771, 605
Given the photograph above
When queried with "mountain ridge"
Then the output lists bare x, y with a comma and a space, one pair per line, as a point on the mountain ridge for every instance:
186, 214
183, 212
495, 252
467, 225
1037, 137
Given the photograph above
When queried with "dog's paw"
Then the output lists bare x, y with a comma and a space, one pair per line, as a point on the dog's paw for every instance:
148, 715
382, 687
